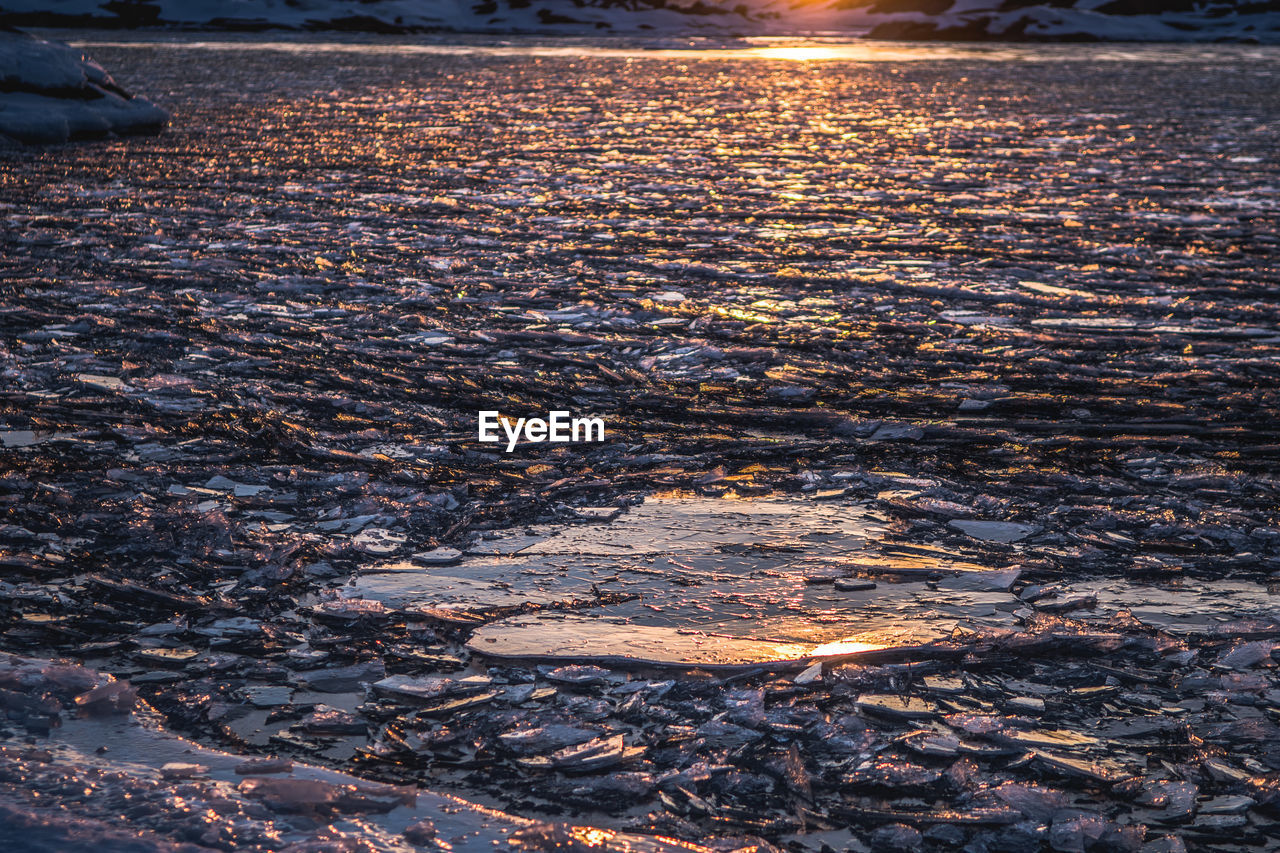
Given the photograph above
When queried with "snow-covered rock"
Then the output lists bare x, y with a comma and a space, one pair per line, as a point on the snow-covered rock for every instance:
970, 20
1078, 20
50, 92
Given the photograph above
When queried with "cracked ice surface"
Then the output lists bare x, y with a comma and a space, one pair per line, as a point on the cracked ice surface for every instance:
759, 570
187, 798
1003, 318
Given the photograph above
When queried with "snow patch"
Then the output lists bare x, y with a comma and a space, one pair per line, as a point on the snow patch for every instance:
51, 93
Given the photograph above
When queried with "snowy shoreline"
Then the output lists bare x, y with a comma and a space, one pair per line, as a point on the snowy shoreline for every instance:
51, 93
899, 20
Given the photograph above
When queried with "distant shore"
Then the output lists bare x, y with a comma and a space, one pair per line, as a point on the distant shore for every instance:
1019, 21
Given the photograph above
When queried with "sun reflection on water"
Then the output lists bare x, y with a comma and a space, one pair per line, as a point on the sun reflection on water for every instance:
800, 53
846, 647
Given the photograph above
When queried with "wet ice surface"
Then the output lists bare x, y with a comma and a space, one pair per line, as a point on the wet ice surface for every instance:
933, 324
804, 573
68, 791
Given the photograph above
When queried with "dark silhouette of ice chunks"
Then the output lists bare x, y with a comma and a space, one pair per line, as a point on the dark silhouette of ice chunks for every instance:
1247, 655
422, 833
1067, 604
1080, 832
112, 697
596, 754
994, 531
1034, 801
895, 775
43, 687
343, 679
722, 734
612, 790
325, 720
1176, 799
545, 739
427, 689
896, 838
64, 829
897, 432
263, 766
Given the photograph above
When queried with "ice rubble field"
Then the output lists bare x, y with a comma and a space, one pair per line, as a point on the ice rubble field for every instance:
50, 93
991, 329
180, 797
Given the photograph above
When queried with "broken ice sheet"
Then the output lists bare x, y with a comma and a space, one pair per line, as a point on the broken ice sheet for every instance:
377, 540
21, 438
994, 531
780, 572
411, 589
406, 689
263, 696
595, 754
101, 383
556, 636
689, 525
172, 784
1229, 607
545, 739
